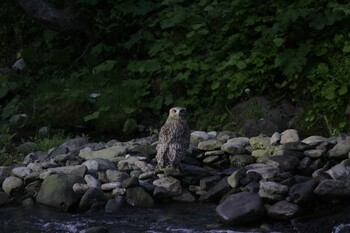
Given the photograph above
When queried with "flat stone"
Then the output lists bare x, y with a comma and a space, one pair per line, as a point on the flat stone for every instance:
289, 135
198, 136
21, 172
283, 210
259, 142
91, 181
239, 161
314, 140
116, 176
241, 209
78, 170
340, 172
315, 153
211, 159
244, 141
333, 189
170, 184
209, 145
185, 197
146, 175
214, 152
273, 191
275, 139
110, 153
99, 164
233, 148
138, 197
217, 191
111, 186
341, 149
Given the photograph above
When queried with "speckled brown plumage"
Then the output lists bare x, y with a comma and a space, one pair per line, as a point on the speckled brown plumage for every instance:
174, 139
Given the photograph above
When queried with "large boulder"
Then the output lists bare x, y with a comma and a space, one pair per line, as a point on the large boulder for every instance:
333, 189
241, 208
138, 197
170, 184
57, 191
91, 196
12, 185
283, 210
302, 193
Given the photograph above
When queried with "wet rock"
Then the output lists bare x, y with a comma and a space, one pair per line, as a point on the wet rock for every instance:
302, 193
272, 191
91, 181
234, 179
209, 145
233, 148
143, 166
241, 208
264, 170
99, 164
199, 136
110, 153
12, 185
185, 197
56, 191
21, 172
28, 203
208, 182
217, 191
259, 142
289, 135
283, 210
138, 197
91, 196
115, 204
333, 189
170, 184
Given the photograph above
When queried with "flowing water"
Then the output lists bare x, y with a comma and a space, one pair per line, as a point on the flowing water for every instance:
176, 218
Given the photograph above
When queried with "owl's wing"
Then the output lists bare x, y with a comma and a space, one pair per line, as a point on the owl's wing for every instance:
167, 133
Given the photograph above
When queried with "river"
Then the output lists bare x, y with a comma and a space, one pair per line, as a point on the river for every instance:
176, 218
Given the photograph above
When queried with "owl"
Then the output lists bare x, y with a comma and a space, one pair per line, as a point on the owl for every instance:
174, 139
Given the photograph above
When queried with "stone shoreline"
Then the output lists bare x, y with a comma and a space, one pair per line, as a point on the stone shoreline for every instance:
251, 179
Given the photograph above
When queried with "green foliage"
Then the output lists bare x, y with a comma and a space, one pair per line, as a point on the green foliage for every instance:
152, 55
46, 143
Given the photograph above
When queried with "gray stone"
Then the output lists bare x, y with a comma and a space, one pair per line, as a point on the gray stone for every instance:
128, 164
289, 135
21, 172
321, 174
143, 166
304, 192
78, 170
275, 139
111, 153
116, 176
111, 186
260, 154
185, 197
62, 158
272, 191
138, 197
115, 204
341, 149
333, 189
233, 148
264, 170
209, 145
218, 153
91, 196
170, 184
223, 136
208, 182
28, 203
241, 160
130, 182
56, 191
285, 162
217, 191
259, 142
241, 208
32, 189
145, 149
91, 181
35, 156
244, 141
12, 185
283, 210
99, 164
146, 175
314, 140
198, 136
315, 153
27, 147
118, 192
234, 179
80, 188
211, 159
340, 172
192, 170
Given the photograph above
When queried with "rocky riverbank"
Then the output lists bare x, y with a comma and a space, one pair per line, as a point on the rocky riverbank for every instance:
281, 177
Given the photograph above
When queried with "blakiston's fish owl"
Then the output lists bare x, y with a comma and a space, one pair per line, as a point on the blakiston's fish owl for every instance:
174, 139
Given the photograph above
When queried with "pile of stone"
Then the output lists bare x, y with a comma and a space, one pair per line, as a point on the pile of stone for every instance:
279, 177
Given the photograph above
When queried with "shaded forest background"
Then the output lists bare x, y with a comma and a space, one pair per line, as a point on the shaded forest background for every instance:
142, 57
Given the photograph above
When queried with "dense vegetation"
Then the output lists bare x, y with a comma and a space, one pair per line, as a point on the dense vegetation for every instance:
148, 55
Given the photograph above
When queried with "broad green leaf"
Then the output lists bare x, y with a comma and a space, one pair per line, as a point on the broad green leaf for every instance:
343, 90
105, 66
215, 85
278, 42
346, 48
92, 116
329, 91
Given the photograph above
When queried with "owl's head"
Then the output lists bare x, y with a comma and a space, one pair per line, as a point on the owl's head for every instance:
177, 113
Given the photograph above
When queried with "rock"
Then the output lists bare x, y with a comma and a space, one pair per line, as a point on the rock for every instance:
234, 179
56, 191
209, 145
138, 197
208, 182
275, 139
146, 176
39, 156
111, 153
314, 140
304, 192
62, 158
297, 146
340, 172
217, 191
91, 196
116, 176
192, 170
146, 149
198, 136
118, 192
170, 184
289, 135
99, 164
185, 197
28, 203
4, 198
234, 149
321, 174
12, 185
341, 149
115, 204
91, 181
78, 170
130, 182
211, 159
260, 154
259, 142
333, 189
143, 166
223, 136
21, 172
127, 165
264, 170
241, 160
80, 188
244, 141
111, 186
272, 191
286, 163
27, 147
283, 210
241, 208
315, 153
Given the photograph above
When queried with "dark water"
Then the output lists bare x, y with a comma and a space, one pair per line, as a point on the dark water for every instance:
177, 218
